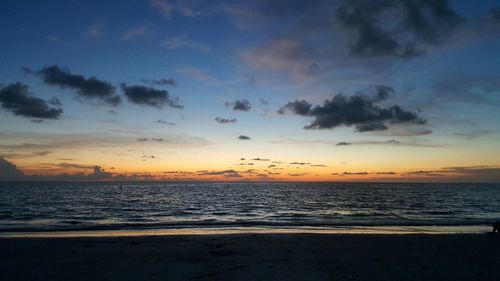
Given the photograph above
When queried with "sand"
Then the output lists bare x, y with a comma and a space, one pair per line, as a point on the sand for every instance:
253, 257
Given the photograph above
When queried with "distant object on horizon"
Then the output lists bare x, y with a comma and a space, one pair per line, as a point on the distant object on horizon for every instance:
496, 227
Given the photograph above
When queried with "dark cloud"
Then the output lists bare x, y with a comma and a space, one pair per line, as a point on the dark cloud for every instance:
143, 95
160, 121
260, 159
301, 107
152, 139
264, 102
343, 143
225, 120
243, 137
318, 165
299, 163
355, 173
162, 82
9, 171
16, 99
418, 23
86, 88
241, 105
357, 110
382, 92
495, 13
226, 173
386, 173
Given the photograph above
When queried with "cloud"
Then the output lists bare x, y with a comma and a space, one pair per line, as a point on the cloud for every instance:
140, 31
243, 137
343, 143
86, 88
225, 120
148, 96
163, 6
226, 173
94, 31
163, 81
297, 174
299, 163
173, 43
264, 102
16, 99
480, 173
326, 37
358, 110
200, 75
418, 23
187, 8
495, 14
9, 171
260, 159
474, 134
355, 173
160, 121
240, 105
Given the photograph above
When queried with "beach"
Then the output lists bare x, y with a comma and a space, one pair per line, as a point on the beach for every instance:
253, 257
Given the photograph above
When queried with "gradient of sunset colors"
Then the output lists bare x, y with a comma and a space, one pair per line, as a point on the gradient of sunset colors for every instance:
250, 90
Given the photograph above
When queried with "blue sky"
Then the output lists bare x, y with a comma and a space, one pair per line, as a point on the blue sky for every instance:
441, 63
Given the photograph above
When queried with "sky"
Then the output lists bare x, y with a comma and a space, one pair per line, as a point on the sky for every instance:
284, 90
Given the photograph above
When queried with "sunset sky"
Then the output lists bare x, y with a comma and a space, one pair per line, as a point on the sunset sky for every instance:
386, 90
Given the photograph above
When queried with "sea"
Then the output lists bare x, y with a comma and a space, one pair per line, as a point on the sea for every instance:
170, 207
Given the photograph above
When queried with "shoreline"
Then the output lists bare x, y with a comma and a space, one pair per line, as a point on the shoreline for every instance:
341, 230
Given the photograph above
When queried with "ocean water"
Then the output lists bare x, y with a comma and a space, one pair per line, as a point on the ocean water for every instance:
31, 207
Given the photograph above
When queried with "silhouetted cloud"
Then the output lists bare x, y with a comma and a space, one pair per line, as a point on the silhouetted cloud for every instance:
225, 120
386, 173
260, 159
243, 137
299, 163
162, 82
148, 96
355, 173
241, 105
357, 110
226, 173
86, 88
318, 165
9, 171
343, 143
16, 99
161, 121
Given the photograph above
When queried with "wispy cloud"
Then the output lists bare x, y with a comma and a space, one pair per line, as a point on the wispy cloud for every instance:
177, 42
141, 31
95, 31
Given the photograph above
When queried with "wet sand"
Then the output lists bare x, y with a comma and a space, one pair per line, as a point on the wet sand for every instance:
253, 257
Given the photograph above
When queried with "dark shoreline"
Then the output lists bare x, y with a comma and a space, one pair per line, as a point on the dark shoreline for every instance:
253, 257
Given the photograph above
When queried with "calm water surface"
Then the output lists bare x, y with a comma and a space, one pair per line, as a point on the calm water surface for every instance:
96, 206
